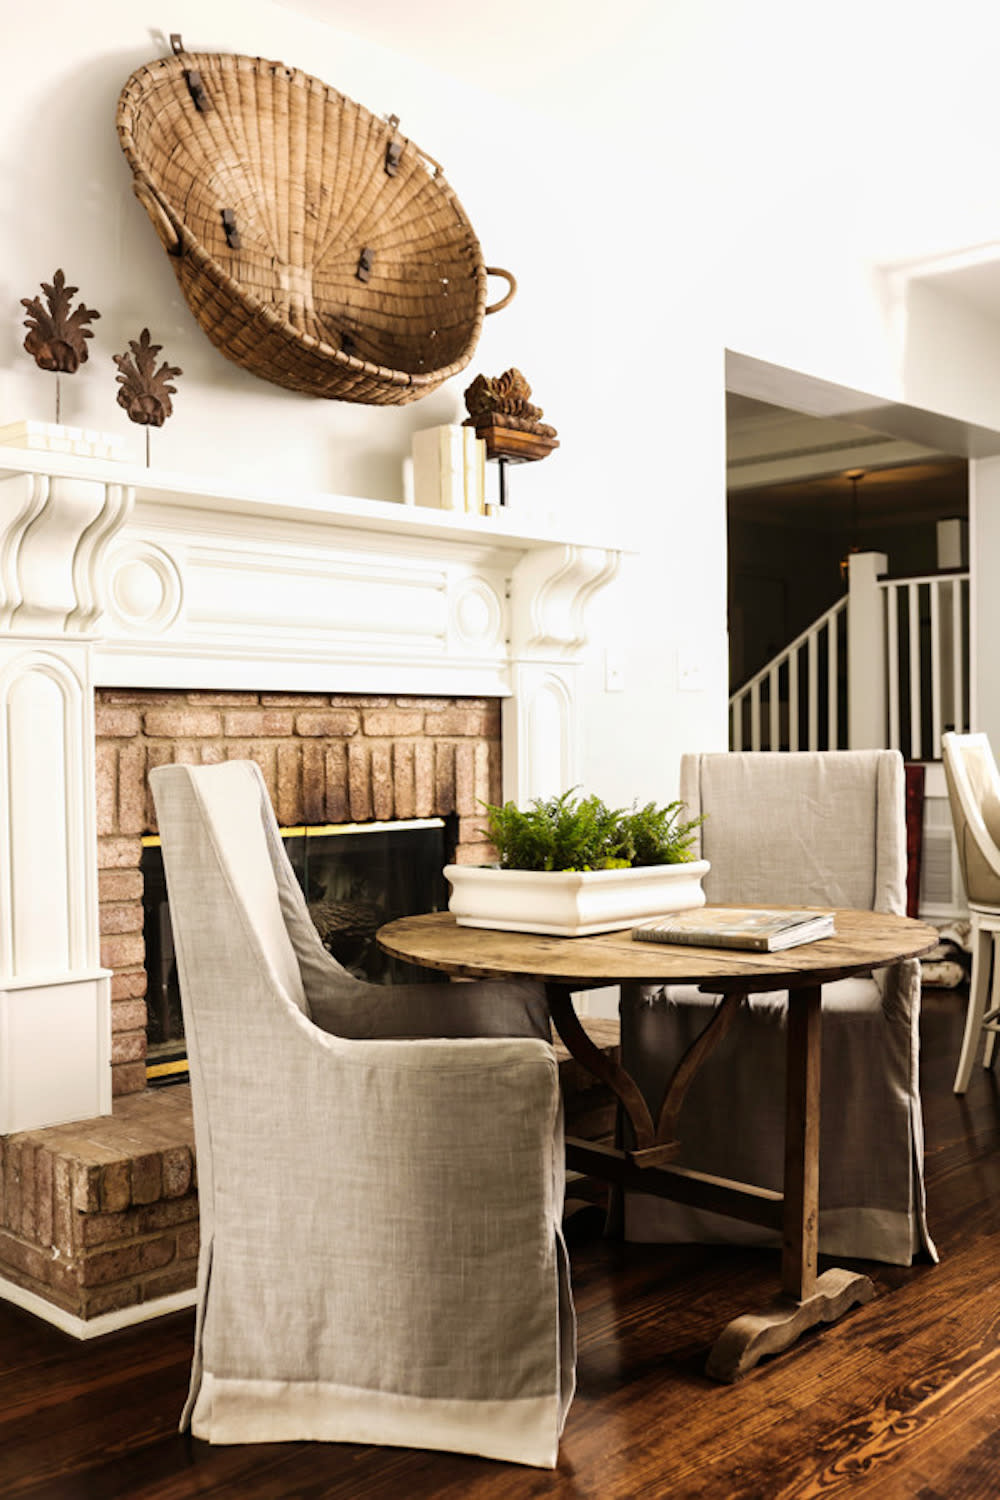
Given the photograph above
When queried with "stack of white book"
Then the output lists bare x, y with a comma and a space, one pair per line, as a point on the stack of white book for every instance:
53, 437
449, 468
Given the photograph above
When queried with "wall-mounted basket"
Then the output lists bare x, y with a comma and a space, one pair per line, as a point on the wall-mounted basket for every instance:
316, 246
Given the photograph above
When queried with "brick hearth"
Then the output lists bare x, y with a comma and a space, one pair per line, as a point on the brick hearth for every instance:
103, 1214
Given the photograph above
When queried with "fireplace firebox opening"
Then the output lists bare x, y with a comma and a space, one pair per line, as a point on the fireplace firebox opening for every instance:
355, 877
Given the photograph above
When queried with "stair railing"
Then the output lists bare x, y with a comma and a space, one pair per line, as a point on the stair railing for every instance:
926, 660
887, 666
804, 675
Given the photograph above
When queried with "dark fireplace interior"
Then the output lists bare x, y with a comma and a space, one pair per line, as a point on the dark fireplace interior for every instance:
355, 878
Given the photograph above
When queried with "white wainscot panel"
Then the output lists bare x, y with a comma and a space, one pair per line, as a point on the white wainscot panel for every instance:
541, 740
47, 909
318, 600
54, 1053
36, 715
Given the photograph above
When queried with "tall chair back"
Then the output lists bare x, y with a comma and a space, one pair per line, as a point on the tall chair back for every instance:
973, 781
380, 1169
803, 828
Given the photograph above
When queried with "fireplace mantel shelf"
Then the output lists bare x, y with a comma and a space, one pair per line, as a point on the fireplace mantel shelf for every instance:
515, 529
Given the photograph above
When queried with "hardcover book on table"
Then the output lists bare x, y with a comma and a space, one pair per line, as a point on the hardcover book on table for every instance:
761, 929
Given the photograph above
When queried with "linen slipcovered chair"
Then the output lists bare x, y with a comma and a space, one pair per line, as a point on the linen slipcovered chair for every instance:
380, 1169
796, 829
974, 796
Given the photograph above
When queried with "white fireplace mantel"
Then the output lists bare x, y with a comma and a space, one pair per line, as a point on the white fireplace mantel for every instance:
115, 575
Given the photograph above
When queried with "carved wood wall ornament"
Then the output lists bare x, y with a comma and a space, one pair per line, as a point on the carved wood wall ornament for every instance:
505, 418
145, 392
57, 337
505, 394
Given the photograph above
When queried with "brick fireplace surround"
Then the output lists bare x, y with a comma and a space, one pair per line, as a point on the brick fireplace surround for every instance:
378, 661
326, 758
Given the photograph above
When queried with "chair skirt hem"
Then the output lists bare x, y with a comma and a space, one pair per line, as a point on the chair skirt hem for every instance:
524, 1431
852, 1233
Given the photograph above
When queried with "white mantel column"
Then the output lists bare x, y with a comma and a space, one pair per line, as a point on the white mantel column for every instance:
541, 731
55, 1005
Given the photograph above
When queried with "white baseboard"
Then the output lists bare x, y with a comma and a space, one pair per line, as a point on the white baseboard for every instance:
92, 1328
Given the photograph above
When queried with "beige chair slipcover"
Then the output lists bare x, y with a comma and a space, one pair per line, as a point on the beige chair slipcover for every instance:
380, 1169
974, 797
790, 829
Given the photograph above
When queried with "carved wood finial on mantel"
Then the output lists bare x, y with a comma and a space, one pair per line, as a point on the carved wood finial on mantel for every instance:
503, 415
145, 390
57, 337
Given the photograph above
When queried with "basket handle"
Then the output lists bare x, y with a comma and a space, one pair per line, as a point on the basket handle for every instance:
165, 228
512, 284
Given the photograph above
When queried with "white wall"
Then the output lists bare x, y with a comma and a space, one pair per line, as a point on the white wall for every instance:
734, 175
984, 597
585, 328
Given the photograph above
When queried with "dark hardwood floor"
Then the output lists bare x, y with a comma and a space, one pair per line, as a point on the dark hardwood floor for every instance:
900, 1399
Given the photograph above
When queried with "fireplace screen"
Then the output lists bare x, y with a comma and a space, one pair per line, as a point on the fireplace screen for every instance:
354, 877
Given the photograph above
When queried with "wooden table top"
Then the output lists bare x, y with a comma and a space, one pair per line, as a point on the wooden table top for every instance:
862, 940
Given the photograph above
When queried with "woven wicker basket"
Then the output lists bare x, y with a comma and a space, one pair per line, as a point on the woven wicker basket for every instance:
316, 246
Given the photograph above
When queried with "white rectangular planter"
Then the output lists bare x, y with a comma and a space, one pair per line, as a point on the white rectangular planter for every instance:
571, 903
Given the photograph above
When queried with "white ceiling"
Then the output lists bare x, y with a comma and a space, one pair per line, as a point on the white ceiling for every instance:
768, 445
547, 54
972, 275
787, 468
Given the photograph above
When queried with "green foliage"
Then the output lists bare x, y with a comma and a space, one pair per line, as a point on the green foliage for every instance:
658, 835
570, 833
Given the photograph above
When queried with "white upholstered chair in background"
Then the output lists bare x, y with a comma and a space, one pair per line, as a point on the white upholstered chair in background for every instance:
380, 1169
974, 794
797, 829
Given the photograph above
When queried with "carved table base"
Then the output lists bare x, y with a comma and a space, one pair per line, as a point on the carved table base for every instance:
750, 1337
806, 1298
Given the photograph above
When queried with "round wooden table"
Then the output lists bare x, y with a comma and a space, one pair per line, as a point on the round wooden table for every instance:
862, 941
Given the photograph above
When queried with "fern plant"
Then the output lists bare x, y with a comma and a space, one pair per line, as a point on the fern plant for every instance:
582, 833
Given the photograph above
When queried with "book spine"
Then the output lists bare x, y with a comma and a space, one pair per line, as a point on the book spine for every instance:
475, 472
425, 447
452, 467
708, 940
439, 467
409, 498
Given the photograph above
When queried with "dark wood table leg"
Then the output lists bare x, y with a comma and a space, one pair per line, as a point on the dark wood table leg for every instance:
800, 1236
806, 1299
655, 1144
579, 1045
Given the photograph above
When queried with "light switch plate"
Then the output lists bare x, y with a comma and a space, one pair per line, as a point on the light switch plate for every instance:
690, 670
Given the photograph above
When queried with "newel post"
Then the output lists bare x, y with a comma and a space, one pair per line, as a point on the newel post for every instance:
866, 658
550, 589
55, 1019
